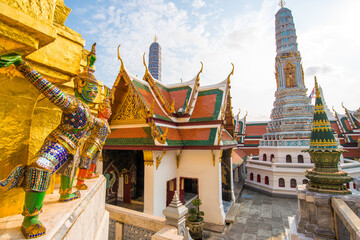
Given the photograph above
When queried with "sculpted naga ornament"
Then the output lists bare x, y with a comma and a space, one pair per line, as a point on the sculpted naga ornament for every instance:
61, 147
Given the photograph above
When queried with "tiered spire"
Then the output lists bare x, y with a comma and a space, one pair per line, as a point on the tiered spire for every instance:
291, 117
322, 136
155, 60
325, 177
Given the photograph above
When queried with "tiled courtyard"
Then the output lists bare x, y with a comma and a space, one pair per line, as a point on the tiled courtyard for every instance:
260, 217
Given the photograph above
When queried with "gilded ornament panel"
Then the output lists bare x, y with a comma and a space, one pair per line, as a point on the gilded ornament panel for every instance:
289, 69
132, 108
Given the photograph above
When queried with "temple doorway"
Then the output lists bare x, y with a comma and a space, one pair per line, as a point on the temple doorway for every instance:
189, 190
125, 171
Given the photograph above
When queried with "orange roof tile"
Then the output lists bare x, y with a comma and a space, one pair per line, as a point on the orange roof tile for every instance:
128, 133
335, 127
226, 136
195, 134
237, 155
187, 134
173, 134
255, 130
192, 136
149, 98
204, 106
180, 97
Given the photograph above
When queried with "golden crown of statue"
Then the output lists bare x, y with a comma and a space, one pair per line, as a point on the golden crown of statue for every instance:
88, 74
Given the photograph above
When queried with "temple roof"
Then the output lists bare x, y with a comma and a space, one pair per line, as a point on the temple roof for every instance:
348, 125
177, 115
238, 157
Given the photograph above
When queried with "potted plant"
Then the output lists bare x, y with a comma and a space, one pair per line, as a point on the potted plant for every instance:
195, 220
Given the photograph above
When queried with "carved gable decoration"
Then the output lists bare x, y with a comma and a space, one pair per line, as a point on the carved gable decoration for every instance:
132, 108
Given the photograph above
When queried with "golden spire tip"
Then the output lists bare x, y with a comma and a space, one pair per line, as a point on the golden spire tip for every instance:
282, 3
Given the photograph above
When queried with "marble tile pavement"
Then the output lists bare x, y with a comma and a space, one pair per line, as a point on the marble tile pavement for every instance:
260, 217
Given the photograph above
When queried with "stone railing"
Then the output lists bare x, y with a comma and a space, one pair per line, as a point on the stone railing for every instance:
347, 223
130, 224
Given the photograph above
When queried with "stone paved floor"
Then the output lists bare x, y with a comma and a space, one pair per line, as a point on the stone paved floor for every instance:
260, 217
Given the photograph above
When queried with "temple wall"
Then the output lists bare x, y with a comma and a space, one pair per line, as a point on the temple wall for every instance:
166, 171
35, 29
199, 164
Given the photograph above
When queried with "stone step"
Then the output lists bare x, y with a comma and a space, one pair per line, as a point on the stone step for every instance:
231, 216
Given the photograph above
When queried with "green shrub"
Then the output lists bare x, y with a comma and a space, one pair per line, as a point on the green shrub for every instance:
195, 214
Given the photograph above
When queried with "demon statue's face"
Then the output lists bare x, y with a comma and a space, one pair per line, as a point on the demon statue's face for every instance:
90, 91
105, 110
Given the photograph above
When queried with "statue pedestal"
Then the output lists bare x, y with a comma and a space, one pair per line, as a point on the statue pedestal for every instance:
83, 218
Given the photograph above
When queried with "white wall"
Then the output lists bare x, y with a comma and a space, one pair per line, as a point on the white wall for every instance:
281, 152
199, 164
166, 171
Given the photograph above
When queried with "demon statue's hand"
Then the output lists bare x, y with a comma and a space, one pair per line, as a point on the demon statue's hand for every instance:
10, 58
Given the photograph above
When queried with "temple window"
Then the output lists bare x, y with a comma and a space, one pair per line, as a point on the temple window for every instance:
264, 157
305, 181
251, 176
267, 180
293, 183
258, 178
300, 159
288, 158
281, 182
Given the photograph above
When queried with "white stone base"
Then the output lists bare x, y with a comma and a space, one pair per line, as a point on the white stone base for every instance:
84, 218
291, 233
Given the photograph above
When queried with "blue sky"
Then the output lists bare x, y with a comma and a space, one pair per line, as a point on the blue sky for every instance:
219, 32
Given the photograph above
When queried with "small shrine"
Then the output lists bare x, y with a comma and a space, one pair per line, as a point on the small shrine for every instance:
167, 138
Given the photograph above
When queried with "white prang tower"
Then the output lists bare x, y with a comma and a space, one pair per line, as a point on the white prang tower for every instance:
288, 132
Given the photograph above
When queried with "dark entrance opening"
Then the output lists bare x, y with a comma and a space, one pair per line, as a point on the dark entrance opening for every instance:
189, 190
124, 170
226, 175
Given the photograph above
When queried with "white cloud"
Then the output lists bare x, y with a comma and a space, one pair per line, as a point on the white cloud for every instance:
246, 37
197, 4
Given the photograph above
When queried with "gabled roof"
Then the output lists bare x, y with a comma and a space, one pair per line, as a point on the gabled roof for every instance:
182, 114
352, 119
181, 96
238, 157
348, 125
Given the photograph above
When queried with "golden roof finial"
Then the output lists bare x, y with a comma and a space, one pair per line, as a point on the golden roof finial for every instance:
155, 39
232, 72
146, 68
122, 63
198, 75
282, 3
